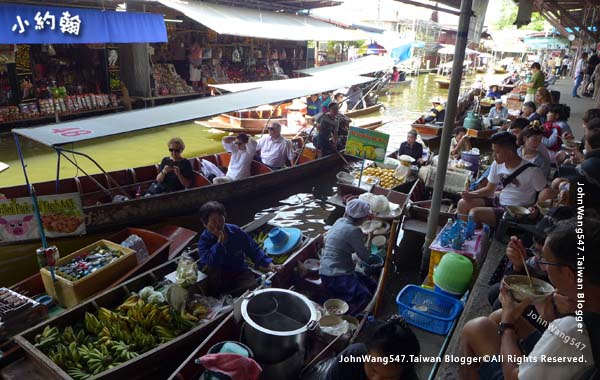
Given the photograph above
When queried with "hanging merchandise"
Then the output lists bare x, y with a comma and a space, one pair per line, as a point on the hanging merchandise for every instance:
274, 54
207, 53
235, 56
282, 54
258, 54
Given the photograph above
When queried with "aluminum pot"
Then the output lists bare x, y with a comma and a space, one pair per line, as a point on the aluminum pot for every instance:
276, 323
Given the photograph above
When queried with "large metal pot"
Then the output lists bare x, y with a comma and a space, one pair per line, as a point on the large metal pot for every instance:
276, 322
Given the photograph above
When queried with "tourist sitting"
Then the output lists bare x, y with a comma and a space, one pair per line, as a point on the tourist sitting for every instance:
328, 125
412, 147
552, 132
460, 142
395, 74
530, 140
341, 101
394, 339
436, 114
493, 93
337, 266
576, 156
273, 149
326, 98
528, 111
499, 114
517, 179
313, 105
485, 337
512, 79
222, 250
242, 149
175, 172
355, 98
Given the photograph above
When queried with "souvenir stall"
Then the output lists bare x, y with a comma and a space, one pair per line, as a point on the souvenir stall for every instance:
58, 64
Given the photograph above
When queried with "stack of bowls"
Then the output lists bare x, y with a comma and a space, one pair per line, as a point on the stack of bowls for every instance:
453, 275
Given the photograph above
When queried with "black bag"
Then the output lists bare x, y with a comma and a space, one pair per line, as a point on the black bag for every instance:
155, 189
516, 173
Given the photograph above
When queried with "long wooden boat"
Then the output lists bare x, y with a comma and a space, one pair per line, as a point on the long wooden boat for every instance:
154, 364
293, 274
500, 70
379, 107
427, 128
395, 87
285, 131
103, 215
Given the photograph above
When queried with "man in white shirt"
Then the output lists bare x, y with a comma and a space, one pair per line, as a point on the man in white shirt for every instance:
579, 71
274, 149
568, 348
518, 180
242, 149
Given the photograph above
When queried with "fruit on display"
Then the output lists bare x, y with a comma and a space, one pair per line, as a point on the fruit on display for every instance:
108, 338
387, 178
83, 265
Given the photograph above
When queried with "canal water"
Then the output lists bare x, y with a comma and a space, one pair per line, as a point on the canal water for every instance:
149, 146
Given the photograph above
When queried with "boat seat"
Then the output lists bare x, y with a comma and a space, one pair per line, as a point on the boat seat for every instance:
200, 180
211, 158
397, 197
195, 163
67, 185
223, 159
145, 173
18, 191
91, 193
417, 192
259, 168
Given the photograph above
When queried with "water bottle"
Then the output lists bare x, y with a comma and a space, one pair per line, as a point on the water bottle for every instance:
458, 242
470, 232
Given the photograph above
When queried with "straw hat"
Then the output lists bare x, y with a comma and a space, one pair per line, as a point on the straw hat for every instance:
297, 105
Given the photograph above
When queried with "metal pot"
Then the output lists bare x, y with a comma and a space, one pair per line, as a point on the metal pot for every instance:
276, 322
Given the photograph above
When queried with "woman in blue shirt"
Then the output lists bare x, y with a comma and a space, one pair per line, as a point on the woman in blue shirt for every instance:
223, 248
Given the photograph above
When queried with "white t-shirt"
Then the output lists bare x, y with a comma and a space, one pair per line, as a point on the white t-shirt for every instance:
274, 153
239, 166
560, 341
522, 190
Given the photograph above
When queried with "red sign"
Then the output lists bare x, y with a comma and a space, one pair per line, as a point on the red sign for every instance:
71, 132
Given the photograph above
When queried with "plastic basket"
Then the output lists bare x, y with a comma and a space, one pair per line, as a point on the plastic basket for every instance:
427, 309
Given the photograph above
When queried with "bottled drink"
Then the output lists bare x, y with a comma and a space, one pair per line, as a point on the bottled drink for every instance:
470, 228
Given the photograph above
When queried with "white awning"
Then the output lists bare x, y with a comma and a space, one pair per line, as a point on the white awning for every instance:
247, 22
449, 49
101, 126
360, 66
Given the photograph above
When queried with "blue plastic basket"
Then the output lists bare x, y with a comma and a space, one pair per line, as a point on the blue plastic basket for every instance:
427, 309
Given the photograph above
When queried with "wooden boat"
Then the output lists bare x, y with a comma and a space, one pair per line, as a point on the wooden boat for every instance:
395, 87
500, 70
443, 82
428, 129
481, 69
103, 215
152, 364
285, 131
379, 107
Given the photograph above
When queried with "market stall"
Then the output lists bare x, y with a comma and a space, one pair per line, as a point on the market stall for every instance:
64, 62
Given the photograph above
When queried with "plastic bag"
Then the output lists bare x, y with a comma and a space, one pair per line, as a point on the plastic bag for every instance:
137, 244
209, 168
379, 203
187, 272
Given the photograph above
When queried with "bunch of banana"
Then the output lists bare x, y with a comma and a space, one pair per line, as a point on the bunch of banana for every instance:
143, 340
48, 338
260, 238
104, 337
92, 324
123, 351
99, 360
78, 374
183, 321
106, 316
129, 302
67, 357
165, 334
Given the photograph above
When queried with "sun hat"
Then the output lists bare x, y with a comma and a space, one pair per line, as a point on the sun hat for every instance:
498, 101
297, 105
282, 240
357, 208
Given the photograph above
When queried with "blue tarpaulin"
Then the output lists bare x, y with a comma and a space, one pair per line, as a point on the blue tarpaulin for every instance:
402, 53
40, 24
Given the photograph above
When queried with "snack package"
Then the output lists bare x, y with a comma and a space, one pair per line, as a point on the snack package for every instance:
187, 271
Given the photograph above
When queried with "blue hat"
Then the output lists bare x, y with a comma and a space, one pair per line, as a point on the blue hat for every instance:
282, 240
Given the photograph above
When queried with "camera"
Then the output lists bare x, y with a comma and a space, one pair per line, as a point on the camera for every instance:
169, 162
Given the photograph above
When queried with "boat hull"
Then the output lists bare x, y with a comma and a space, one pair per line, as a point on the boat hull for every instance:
427, 129
442, 83
379, 107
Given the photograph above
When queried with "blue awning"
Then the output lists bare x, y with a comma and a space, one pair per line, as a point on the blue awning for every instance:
40, 24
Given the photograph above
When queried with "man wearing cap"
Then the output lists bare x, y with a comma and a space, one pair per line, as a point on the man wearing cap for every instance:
223, 248
518, 181
273, 149
337, 267
537, 81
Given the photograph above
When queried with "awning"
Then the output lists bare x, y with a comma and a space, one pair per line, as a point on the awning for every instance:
248, 22
449, 49
40, 24
101, 126
360, 66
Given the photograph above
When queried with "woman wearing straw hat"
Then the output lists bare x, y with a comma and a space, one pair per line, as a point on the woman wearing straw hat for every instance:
337, 267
